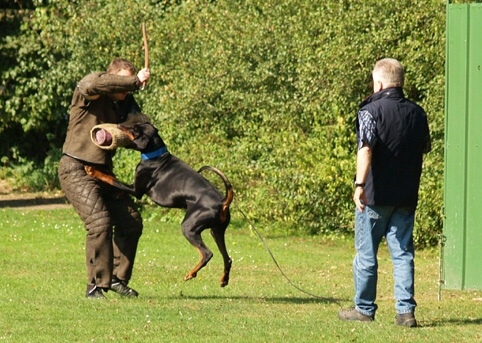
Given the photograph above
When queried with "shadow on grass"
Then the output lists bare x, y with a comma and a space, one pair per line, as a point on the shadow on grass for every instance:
29, 201
451, 321
294, 300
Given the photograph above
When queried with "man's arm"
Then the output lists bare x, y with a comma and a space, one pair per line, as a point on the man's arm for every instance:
363, 164
366, 139
95, 84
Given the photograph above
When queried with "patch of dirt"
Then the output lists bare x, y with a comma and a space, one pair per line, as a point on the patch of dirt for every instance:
26, 200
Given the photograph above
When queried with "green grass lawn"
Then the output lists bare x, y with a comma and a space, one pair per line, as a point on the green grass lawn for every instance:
43, 284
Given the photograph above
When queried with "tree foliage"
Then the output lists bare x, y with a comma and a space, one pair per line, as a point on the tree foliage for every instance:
265, 90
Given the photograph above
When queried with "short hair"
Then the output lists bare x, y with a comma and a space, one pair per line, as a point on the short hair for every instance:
390, 72
120, 64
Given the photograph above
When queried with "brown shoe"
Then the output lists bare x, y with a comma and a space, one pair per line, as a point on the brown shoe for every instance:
406, 319
353, 314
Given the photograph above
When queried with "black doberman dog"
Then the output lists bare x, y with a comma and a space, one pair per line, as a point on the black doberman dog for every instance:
172, 183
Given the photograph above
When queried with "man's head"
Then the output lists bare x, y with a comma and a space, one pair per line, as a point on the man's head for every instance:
120, 64
122, 67
387, 73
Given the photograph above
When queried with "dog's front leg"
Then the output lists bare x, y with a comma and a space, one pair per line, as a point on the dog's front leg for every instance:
109, 179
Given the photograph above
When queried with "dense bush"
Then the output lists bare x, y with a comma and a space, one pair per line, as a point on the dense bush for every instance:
265, 90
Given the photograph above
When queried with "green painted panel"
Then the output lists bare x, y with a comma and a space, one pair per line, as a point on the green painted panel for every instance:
455, 144
463, 147
473, 275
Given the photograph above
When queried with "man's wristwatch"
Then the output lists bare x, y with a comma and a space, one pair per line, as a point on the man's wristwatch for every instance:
362, 185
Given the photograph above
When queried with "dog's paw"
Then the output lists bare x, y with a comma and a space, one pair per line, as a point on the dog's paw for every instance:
190, 276
89, 170
224, 280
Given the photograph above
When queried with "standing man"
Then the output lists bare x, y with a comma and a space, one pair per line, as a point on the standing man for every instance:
392, 136
111, 219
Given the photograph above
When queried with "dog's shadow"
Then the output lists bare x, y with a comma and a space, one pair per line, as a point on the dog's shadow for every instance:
450, 322
278, 300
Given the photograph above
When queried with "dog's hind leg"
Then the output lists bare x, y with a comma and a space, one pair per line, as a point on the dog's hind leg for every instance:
193, 235
218, 235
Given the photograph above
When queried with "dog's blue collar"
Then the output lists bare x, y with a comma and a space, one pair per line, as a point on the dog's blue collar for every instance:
154, 154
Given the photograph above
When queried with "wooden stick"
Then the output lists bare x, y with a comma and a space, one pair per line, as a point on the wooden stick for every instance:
146, 51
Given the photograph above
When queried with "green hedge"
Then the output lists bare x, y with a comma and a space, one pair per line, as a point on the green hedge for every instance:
265, 90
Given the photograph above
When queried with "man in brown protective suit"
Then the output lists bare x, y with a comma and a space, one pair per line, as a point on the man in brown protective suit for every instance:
111, 219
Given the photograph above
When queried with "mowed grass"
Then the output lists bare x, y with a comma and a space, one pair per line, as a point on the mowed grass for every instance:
42, 289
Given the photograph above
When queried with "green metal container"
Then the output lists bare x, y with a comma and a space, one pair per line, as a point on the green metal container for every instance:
462, 257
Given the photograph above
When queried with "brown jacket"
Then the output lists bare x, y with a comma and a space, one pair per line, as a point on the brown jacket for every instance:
85, 114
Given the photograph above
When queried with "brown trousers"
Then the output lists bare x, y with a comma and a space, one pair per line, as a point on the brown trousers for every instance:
111, 219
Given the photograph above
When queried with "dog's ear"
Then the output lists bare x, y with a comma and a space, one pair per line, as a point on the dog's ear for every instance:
141, 138
149, 129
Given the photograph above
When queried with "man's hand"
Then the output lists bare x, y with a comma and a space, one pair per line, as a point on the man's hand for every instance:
144, 75
359, 198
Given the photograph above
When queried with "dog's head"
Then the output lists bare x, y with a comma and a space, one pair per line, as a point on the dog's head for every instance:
144, 137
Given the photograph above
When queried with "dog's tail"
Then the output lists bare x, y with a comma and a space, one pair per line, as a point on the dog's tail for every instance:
229, 191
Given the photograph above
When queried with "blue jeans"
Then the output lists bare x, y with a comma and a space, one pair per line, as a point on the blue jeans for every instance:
396, 225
